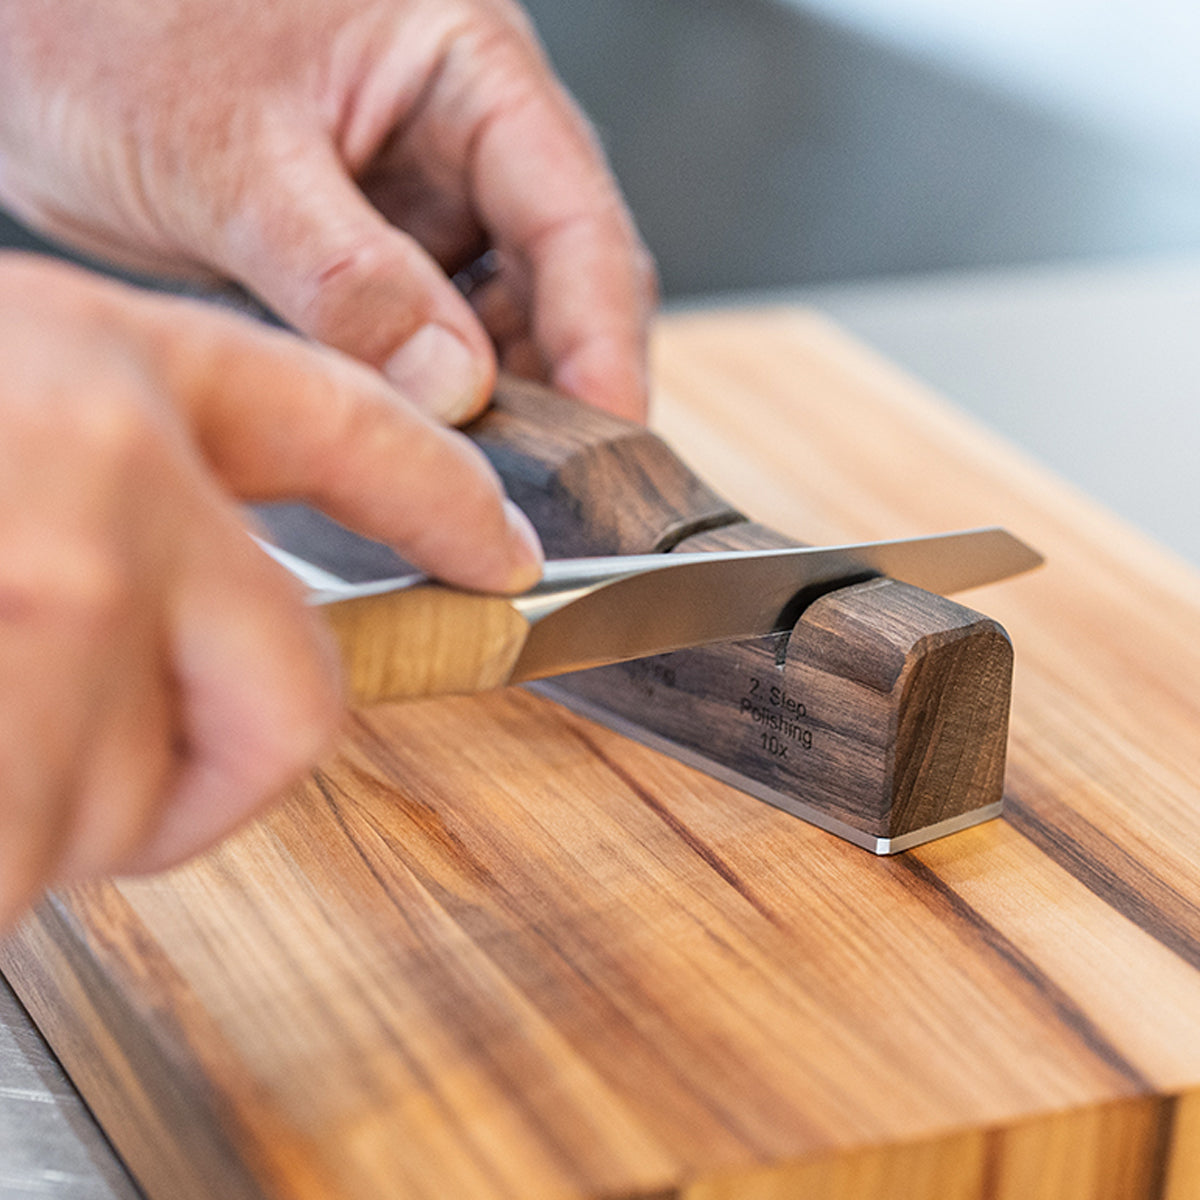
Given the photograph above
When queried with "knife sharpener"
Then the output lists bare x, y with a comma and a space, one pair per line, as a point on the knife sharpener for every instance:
882, 716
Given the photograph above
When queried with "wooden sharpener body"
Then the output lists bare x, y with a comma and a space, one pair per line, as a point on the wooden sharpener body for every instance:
881, 717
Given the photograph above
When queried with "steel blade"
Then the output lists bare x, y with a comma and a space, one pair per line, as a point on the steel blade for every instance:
587, 612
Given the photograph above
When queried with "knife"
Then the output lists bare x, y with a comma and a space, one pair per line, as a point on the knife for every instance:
409, 637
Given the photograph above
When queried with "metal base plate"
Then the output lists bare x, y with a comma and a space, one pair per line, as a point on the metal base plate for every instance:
789, 804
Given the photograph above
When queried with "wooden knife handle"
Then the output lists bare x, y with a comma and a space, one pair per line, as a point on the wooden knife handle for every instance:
427, 640
883, 715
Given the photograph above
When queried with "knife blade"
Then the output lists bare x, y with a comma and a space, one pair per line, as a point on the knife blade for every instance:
409, 637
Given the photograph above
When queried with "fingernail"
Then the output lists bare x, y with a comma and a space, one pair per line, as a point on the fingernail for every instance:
525, 547
439, 374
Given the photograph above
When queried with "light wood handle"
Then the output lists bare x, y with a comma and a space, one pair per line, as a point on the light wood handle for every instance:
426, 640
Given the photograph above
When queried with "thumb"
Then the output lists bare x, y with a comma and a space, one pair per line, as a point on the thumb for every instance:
312, 247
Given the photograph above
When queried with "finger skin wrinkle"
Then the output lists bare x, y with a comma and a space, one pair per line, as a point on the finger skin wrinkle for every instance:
375, 100
583, 225
366, 125
362, 272
592, 344
356, 434
514, 91
358, 259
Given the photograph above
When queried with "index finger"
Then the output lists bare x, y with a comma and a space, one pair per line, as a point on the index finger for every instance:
276, 418
544, 190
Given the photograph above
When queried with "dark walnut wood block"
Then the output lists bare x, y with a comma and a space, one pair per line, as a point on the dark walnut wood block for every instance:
883, 717
495, 951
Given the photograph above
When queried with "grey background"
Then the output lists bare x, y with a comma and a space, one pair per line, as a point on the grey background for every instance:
1008, 208
765, 143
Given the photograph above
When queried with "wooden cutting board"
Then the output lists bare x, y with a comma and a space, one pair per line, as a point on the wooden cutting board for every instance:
494, 951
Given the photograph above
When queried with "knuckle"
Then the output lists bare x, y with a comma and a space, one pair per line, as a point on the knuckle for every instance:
115, 431
93, 589
71, 568
105, 428
354, 423
91, 593
503, 35
507, 66
80, 588
513, 19
351, 289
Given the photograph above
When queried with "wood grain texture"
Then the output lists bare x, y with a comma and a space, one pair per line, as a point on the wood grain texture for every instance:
425, 641
590, 482
494, 951
885, 709
883, 715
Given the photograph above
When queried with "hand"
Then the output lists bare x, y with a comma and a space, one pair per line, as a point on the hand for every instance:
341, 159
160, 676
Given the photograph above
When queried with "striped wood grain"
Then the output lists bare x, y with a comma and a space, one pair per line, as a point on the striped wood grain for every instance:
493, 951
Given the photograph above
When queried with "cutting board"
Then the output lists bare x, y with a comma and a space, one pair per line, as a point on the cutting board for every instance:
491, 950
